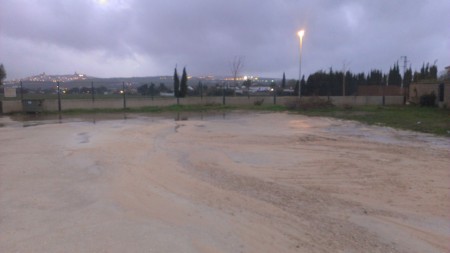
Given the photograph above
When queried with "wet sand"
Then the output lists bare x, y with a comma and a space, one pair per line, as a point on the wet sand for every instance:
267, 182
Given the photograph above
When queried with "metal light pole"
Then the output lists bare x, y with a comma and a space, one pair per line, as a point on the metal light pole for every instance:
300, 34
124, 96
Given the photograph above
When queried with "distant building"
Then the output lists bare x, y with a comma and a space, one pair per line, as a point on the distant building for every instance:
440, 89
447, 73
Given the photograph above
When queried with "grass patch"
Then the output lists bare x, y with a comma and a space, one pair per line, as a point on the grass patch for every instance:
179, 108
420, 119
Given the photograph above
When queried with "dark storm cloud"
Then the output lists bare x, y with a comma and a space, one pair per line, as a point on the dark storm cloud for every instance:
121, 37
206, 32
73, 24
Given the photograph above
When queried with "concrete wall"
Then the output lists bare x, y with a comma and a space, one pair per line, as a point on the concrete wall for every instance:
11, 106
378, 90
365, 100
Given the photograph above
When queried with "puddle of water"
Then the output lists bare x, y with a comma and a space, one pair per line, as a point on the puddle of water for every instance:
388, 135
30, 120
370, 133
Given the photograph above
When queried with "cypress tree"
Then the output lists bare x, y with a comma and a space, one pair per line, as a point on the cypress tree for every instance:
183, 84
2, 74
423, 73
176, 84
433, 72
427, 71
361, 79
375, 77
283, 81
394, 77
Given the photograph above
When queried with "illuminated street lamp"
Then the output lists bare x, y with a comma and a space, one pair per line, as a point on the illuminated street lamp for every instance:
300, 34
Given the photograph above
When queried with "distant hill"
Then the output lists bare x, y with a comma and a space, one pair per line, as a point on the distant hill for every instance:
44, 81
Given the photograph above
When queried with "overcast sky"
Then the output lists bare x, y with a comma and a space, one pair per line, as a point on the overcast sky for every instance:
123, 38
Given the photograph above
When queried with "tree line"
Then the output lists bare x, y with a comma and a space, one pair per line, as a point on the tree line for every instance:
320, 83
332, 83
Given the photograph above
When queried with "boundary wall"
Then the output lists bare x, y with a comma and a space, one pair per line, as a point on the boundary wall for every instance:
51, 105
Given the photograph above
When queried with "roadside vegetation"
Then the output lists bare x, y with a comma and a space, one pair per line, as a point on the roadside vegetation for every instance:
421, 119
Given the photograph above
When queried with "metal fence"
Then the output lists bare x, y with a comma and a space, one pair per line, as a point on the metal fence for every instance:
120, 89
58, 96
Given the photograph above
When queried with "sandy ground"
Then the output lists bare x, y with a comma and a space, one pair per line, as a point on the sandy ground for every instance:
246, 183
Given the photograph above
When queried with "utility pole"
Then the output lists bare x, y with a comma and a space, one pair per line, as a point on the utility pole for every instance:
344, 73
405, 61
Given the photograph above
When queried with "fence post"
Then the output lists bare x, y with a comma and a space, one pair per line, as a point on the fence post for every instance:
223, 93
152, 90
92, 91
21, 91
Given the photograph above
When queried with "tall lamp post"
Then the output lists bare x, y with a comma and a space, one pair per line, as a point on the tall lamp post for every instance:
300, 34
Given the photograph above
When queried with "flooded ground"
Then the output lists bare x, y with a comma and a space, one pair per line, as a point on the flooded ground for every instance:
27, 120
235, 182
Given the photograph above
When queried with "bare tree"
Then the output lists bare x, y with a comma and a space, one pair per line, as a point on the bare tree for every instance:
236, 67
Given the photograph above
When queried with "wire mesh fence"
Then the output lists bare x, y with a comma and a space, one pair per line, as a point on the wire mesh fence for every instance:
117, 89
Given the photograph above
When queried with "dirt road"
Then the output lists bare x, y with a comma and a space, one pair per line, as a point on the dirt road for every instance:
243, 183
